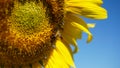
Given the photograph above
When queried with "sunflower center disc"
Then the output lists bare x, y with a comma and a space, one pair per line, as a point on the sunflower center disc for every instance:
28, 30
27, 35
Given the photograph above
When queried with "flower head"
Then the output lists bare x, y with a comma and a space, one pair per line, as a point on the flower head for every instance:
39, 33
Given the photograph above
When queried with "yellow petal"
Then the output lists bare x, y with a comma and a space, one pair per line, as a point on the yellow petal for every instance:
99, 2
87, 8
91, 25
73, 28
61, 56
77, 22
72, 40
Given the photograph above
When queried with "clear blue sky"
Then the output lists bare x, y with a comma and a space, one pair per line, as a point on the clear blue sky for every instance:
104, 50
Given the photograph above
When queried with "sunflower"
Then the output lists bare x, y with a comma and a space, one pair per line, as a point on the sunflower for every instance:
39, 33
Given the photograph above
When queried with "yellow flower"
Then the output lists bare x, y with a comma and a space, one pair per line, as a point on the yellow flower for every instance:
39, 33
